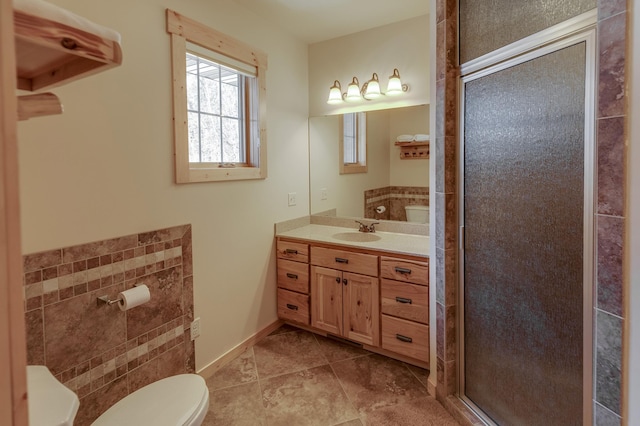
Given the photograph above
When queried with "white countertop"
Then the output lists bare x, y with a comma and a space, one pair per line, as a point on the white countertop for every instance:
392, 242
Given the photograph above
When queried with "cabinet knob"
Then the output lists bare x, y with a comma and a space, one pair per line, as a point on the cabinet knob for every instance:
338, 280
344, 281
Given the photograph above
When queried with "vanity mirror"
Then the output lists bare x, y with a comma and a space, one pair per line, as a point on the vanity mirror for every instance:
390, 182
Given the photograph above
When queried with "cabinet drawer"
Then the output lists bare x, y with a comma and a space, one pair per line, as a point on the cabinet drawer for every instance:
405, 337
410, 271
293, 275
293, 306
343, 260
408, 301
292, 251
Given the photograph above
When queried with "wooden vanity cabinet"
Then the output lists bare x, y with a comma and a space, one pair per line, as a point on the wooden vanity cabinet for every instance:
293, 281
345, 304
364, 296
405, 307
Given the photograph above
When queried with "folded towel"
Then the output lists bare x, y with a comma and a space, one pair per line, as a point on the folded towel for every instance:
405, 138
420, 137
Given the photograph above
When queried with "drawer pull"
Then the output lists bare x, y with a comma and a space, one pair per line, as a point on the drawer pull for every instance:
341, 260
292, 307
403, 270
404, 300
404, 338
291, 251
292, 276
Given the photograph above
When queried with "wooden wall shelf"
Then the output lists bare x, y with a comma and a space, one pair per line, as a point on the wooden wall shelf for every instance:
50, 52
413, 150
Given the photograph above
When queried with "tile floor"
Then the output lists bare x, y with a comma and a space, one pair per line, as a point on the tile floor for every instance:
294, 378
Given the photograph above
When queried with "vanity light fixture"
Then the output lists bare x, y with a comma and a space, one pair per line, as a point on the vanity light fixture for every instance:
353, 91
370, 90
335, 94
395, 86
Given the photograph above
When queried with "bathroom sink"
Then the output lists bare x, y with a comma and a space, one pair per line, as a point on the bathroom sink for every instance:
358, 237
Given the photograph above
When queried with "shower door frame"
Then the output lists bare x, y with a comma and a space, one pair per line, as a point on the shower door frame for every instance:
571, 32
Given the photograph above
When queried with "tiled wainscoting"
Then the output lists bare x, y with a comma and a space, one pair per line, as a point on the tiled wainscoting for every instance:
99, 351
394, 199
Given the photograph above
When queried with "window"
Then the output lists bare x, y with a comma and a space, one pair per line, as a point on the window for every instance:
218, 104
353, 143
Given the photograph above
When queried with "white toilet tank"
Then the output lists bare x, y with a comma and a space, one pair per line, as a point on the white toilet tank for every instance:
417, 214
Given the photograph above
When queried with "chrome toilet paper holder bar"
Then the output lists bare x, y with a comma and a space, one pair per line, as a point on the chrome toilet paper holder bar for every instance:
104, 300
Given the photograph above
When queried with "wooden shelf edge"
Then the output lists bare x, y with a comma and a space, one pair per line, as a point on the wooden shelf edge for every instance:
422, 143
38, 105
50, 53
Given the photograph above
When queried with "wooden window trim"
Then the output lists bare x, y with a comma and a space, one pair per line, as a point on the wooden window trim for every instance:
360, 167
183, 29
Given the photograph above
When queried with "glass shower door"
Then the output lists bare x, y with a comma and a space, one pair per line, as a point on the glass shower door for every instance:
526, 215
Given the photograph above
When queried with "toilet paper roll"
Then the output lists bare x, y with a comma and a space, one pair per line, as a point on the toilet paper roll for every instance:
381, 209
133, 297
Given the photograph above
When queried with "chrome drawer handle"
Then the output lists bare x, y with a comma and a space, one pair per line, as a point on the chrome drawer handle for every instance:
292, 276
292, 307
291, 251
404, 338
404, 300
403, 270
341, 260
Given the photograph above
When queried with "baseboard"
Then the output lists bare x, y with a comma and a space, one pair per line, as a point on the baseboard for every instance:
431, 386
210, 369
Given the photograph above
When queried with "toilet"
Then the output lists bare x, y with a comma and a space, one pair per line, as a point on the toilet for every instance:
181, 400
417, 214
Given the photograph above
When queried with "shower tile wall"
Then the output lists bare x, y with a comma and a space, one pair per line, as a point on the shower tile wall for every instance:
99, 351
394, 199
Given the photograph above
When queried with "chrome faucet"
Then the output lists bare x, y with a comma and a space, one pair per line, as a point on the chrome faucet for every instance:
367, 228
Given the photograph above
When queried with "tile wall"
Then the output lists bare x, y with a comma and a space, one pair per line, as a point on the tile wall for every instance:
99, 351
394, 199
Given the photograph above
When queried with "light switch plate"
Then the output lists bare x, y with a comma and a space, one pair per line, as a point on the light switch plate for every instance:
323, 194
292, 199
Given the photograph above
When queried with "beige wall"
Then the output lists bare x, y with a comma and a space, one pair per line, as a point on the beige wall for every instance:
407, 121
105, 167
403, 45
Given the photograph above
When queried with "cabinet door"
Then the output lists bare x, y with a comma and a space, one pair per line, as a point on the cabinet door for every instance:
361, 309
326, 299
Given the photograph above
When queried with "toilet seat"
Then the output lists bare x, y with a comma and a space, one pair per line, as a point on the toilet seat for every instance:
181, 400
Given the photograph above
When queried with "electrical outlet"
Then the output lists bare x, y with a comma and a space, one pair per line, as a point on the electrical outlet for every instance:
195, 329
292, 199
323, 194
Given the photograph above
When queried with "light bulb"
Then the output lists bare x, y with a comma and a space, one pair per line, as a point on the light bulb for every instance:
353, 91
394, 87
335, 94
373, 88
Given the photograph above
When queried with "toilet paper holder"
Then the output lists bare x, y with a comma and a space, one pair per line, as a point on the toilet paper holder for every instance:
104, 300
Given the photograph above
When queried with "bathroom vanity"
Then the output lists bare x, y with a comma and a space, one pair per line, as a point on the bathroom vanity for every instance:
371, 289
